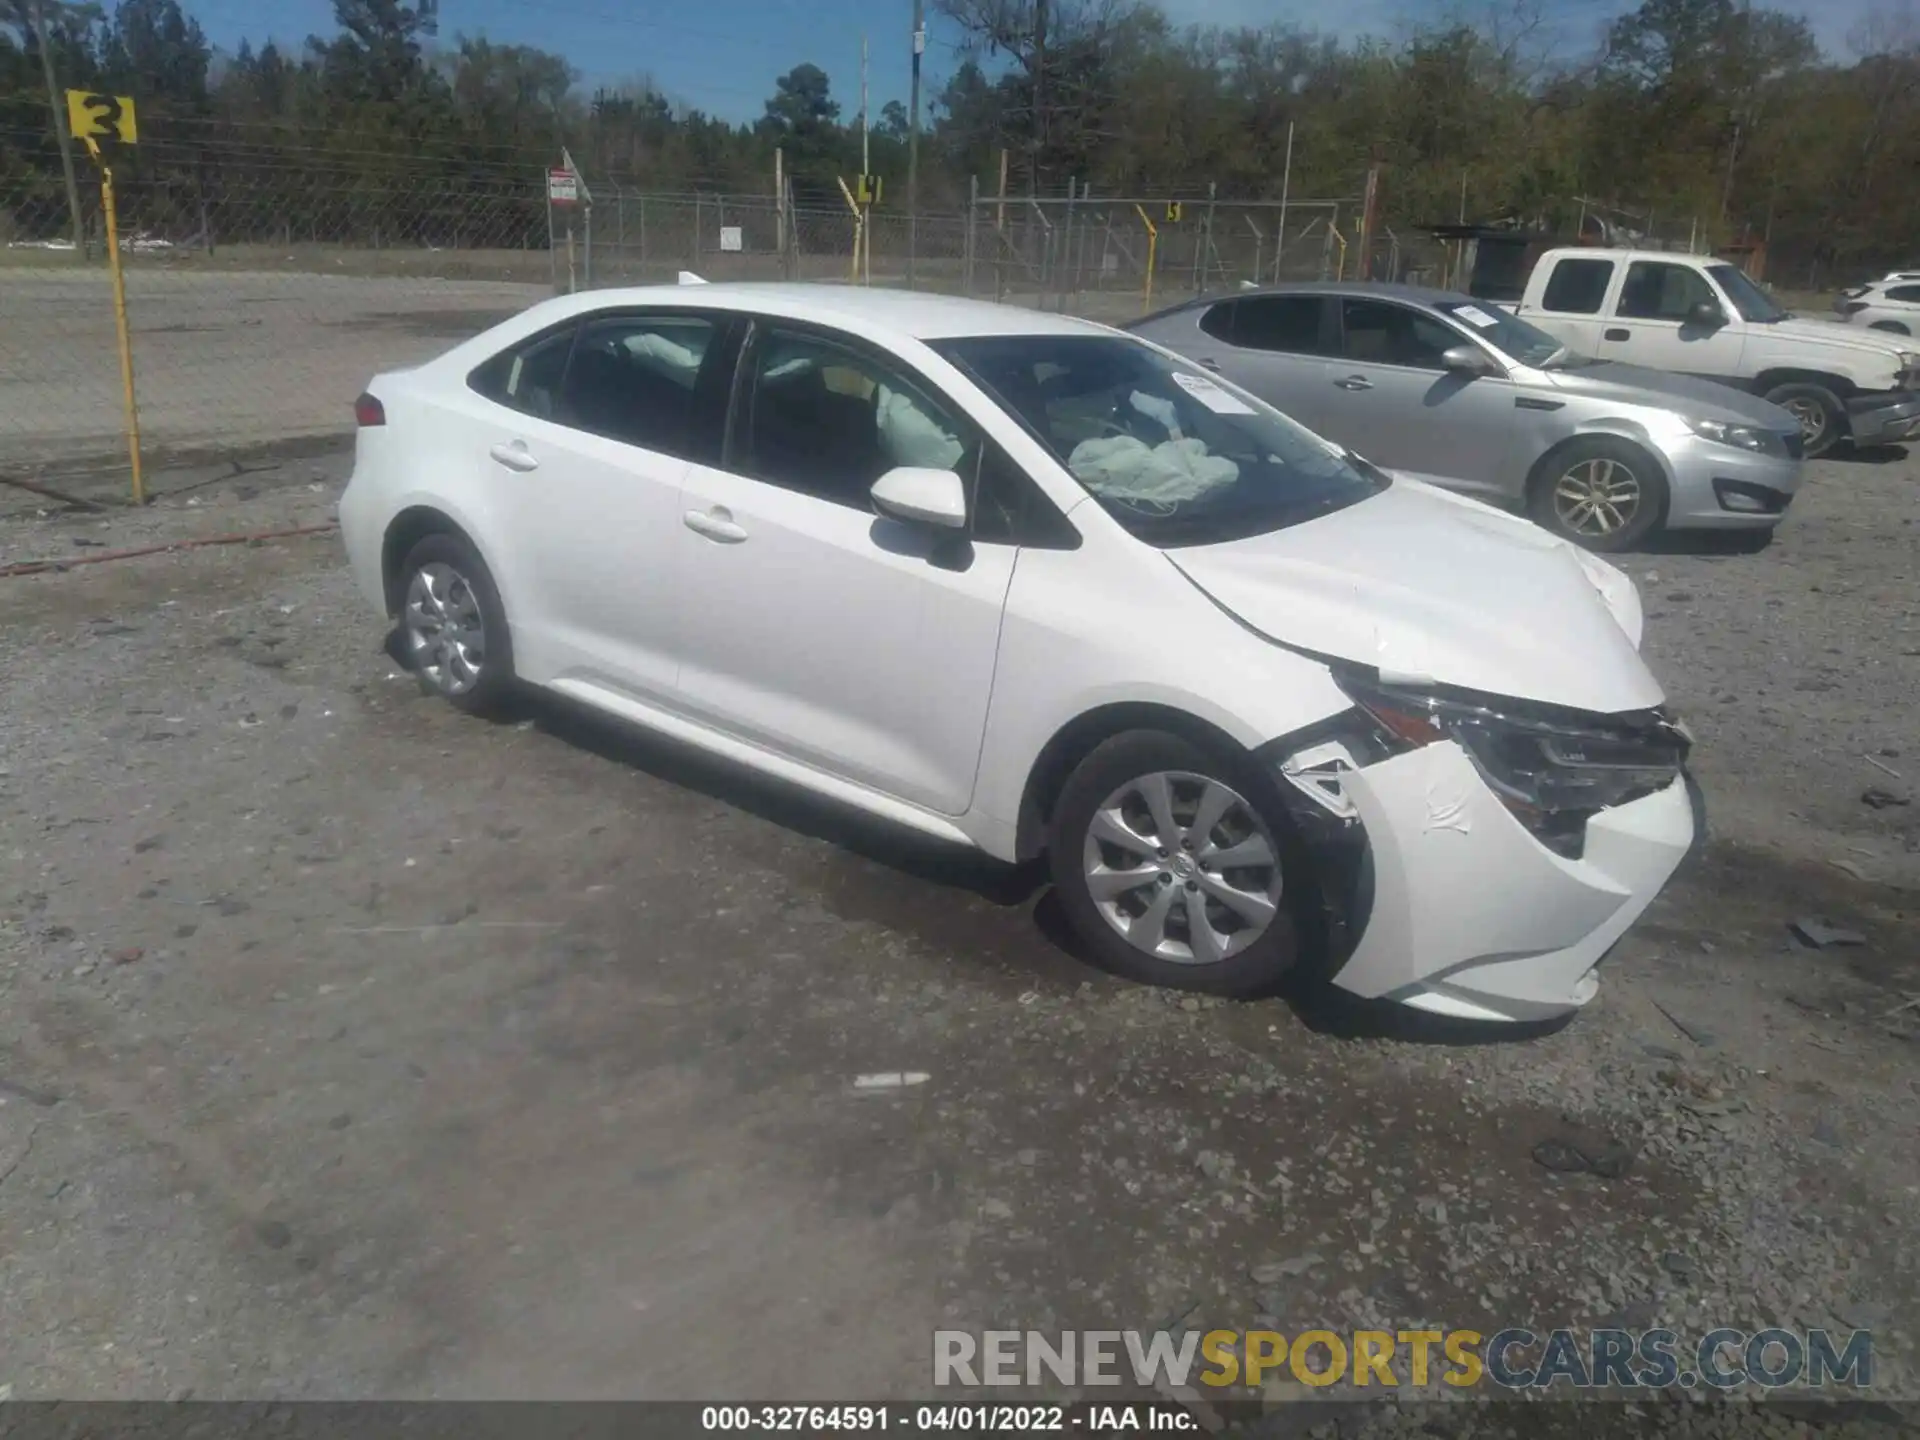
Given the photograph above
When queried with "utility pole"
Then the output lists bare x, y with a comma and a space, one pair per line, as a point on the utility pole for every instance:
1039, 92
36, 14
913, 140
866, 170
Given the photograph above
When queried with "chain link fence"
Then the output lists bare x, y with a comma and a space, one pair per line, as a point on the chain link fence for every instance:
261, 298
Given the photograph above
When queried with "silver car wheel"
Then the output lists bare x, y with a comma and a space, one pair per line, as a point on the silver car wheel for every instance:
445, 631
1182, 867
1597, 497
1812, 416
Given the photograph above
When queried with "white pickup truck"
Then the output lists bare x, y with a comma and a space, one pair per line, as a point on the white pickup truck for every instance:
1701, 316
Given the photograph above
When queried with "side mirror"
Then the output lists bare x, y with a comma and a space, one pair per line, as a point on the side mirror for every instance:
920, 496
1707, 314
1465, 360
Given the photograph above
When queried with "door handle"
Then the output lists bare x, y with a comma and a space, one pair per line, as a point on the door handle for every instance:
514, 457
1617, 334
1210, 364
715, 524
1355, 382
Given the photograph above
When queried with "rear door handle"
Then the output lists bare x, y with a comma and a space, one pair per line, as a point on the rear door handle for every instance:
1355, 382
514, 457
715, 524
1617, 335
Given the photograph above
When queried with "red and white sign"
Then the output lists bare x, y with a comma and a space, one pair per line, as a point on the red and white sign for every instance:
563, 187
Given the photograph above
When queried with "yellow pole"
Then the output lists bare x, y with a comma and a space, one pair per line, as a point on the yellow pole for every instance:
1153, 243
120, 323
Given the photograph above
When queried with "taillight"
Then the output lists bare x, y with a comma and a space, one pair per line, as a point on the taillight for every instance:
368, 410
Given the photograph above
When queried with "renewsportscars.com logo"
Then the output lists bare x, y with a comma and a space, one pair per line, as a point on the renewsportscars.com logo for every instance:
1514, 1359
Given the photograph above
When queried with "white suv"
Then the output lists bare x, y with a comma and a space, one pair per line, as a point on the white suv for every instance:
1892, 304
1030, 585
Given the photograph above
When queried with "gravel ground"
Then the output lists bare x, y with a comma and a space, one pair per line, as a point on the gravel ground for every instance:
352, 1048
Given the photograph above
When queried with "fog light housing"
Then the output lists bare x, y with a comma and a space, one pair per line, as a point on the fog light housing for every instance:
1747, 498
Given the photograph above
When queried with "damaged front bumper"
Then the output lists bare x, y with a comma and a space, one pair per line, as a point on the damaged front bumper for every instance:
1470, 916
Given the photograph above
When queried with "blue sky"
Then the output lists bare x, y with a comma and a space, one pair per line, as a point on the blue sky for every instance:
723, 55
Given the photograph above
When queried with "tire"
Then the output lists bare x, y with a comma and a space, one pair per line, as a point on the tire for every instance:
1568, 485
1254, 942
1892, 327
1823, 419
446, 589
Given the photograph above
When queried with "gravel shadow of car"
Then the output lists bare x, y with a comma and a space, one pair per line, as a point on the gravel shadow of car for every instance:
1870, 454
1019, 903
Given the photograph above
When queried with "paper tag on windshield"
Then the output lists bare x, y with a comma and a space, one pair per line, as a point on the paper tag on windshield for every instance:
1219, 401
1475, 317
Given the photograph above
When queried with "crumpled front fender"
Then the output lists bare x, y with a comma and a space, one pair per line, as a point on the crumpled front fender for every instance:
1472, 916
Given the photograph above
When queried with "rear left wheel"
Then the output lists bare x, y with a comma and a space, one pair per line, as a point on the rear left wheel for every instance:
1176, 867
453, 627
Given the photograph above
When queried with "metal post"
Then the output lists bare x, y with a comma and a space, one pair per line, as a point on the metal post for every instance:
61, 133
553, 239
973, 209
1000, 232
120, 326
643, 235
913, 141
1286, 185
1206, 263
780, 206
1153, 242
1066, 250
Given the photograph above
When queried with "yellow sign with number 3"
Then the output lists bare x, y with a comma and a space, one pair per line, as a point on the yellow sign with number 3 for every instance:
101, 117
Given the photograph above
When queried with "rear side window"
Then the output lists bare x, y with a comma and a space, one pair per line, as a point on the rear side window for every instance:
632, 379
1905, 294
1286, 324
1217, 321
1577, 287
527, 378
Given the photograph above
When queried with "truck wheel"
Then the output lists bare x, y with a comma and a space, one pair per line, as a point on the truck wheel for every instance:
1601, 493
1823, 419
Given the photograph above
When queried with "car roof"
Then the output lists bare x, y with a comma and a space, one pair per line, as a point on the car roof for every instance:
1373, 289
917, 314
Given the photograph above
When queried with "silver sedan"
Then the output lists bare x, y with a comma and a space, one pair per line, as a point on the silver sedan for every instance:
1463, 394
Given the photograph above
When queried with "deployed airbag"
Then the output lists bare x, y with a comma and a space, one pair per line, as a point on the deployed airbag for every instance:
1119, 467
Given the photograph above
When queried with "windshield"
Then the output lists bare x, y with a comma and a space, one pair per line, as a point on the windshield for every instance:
1749, 299
1504, 331
1173, 455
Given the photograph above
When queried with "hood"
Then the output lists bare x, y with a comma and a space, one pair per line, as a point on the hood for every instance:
1684, 394
1433, 588
1834, 332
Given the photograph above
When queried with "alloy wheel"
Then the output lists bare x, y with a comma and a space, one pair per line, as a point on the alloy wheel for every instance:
1812, 416
445, 631
1182, 867
1597, 497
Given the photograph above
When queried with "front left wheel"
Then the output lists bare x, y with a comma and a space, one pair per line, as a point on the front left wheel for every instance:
453, 627
1177, 866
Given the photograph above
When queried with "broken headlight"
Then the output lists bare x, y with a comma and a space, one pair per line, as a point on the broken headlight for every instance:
1553, 768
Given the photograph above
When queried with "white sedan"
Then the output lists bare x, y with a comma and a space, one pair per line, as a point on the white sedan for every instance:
1030, 585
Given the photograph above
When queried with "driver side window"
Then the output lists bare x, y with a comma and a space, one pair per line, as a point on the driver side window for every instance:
1658, 291
828, 420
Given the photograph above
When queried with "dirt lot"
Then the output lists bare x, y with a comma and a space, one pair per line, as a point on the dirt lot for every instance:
349, 1047
229, 357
